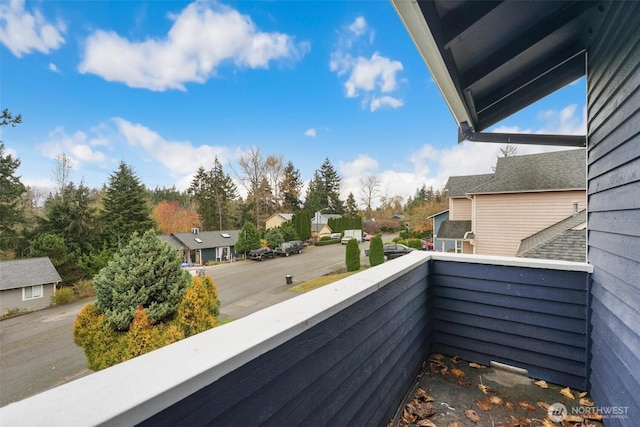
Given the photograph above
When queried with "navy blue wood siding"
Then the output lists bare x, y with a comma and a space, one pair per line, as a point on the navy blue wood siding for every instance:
613, 84
534, 319
352, 369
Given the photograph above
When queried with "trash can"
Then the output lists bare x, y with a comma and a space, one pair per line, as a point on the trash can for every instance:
289, 279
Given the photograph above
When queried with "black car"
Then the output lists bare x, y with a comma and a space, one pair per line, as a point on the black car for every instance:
395, 250
260, 254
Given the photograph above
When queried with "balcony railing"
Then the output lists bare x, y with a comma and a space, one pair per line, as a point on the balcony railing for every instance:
344, 354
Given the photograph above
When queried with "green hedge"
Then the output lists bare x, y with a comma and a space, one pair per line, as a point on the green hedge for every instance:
327, 242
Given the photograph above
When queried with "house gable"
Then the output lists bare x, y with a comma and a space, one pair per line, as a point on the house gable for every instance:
19, 273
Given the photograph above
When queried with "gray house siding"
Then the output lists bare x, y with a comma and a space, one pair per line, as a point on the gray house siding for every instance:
531, 318
614, 208
352, 369
12, 298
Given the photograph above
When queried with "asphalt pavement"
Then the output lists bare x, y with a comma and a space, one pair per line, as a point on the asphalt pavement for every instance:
37, 350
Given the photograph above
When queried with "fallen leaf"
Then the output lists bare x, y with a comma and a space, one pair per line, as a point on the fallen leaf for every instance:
483, 388
457, 372
475, 365
544, 405
572, 418
567, 392
583, 394
454, 424
526, 406
496, 400
425, 423
510, 406
484, 405
585, 401
437, 357
472, 415
465, 384
546, 422
421, 394
542, 384
455, 359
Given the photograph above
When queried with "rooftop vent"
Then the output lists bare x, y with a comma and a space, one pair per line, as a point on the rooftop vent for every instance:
197, 240
225, 235
575, 208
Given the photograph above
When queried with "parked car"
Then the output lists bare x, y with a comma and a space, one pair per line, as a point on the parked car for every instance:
260, 254
395, 250
292, 247
335, 235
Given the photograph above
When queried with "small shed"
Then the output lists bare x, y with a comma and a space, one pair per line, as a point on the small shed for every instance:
27, 284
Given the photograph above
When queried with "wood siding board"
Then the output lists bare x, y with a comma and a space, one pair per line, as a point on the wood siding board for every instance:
512, 337
576, 311
621, 246
621, 154
614, 127
615, 223
516, 315
539, 292
622, 175
519, 329
529, 276
625, 197
478, 355
355, 354
624, 269
224, 399
460, 209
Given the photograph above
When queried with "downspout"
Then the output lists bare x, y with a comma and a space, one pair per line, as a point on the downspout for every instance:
473, 219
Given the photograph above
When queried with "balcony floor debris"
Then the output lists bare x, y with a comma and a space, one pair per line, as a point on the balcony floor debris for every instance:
450, 390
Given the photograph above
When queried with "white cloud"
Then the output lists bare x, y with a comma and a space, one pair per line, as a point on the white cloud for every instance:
179, 157
53, 67
568, 121
310, 132
23, 31
365, 76
385, 101
204, 35
79, 147
362, 165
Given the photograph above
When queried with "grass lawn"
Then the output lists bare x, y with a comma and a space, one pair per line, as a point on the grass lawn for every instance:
312, 284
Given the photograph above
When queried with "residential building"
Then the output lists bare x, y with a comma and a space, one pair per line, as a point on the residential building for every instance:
440, 244
27, 284
277, 219
201, 247
491, 214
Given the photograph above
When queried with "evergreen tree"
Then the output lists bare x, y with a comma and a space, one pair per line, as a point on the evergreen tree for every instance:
146, 272
289, 232
316, 196
352, 207
376, 251
125, 210
290, 188
11, 207
352, 255
249, 238
274, 237
197, 310
215, 194
302, 224
52, 246
331, 181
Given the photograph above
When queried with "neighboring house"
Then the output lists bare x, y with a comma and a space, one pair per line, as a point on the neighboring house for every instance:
201, 247
441, 245
320, 230
525, 195
27, 284
565, 240
277, 219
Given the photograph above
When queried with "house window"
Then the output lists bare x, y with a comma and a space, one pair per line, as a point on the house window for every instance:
32, 292
458, 246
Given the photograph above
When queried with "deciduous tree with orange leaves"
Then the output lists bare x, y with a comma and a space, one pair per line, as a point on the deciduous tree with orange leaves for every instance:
173, 218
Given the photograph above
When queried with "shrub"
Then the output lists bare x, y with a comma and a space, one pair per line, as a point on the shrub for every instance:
197, 310
376, 251
11, 312
352, 255
327, 242
84, 289
396, 239
402, 242
415, 243
63, 296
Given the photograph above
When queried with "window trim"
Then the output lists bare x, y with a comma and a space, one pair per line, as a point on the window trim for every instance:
33, 287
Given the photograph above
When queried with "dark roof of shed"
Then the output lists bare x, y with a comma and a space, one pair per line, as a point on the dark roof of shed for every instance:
491, 59
557, 170
455, 230
210, 239
565, 240
18, 273
459, 186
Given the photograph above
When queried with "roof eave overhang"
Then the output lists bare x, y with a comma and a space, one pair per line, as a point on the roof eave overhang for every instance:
417, 27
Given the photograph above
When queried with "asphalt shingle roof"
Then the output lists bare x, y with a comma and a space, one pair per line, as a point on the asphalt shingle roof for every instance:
18, 273
453, 229
558, 170
210, 239
459, 186
560, 241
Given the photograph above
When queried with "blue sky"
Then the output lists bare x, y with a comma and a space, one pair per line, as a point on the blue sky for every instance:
167, 86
